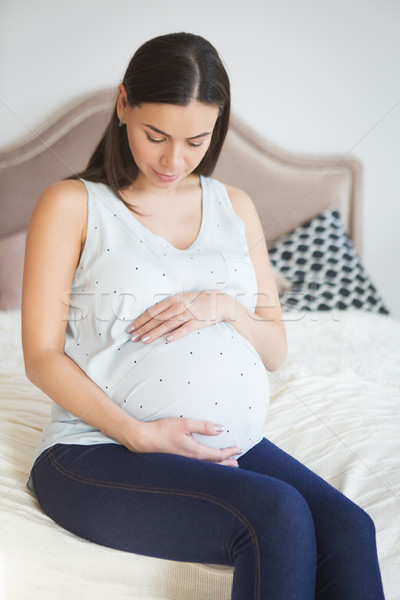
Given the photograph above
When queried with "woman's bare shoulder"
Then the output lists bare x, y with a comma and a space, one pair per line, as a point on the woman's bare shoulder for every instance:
64, 198
246, 210
66, 191
240, 200
235, 192
62, 206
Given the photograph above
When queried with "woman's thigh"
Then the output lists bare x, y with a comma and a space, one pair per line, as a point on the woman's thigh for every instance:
345, 534
326, 503
160, 505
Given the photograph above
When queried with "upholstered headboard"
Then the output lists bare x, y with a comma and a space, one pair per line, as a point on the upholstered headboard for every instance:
288, 188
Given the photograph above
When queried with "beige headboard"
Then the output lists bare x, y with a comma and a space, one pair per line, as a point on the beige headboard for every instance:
288, 188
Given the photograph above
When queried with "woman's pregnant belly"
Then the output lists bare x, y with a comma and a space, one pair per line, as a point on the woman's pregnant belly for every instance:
212, 374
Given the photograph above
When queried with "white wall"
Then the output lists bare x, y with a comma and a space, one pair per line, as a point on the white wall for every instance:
315, 76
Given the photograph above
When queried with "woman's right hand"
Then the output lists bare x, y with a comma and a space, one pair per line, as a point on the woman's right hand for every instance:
173, 435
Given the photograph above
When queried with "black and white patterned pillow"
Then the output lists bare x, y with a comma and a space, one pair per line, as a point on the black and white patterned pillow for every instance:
323, 267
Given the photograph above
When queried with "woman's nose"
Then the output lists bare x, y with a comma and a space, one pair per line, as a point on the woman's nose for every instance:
172, 157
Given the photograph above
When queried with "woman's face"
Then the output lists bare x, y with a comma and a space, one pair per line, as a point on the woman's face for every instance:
168, 141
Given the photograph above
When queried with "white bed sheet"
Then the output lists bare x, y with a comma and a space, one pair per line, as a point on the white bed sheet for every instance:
335, 406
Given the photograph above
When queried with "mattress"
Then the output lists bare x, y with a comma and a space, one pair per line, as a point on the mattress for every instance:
335, 405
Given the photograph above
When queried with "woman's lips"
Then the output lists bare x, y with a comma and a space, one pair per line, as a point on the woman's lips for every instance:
166, 178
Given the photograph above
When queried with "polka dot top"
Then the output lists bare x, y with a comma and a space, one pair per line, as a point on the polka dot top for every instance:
212, 374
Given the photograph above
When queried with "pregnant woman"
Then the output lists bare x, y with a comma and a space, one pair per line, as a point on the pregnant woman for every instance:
150, 318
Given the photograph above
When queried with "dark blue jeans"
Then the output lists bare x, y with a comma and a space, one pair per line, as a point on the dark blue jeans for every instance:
288, 534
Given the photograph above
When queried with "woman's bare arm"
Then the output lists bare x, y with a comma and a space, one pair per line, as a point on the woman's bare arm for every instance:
264, 329
55, 237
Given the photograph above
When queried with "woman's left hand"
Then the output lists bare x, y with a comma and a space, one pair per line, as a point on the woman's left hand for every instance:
180, 314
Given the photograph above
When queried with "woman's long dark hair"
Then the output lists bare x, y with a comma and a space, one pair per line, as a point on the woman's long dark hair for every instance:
173, 69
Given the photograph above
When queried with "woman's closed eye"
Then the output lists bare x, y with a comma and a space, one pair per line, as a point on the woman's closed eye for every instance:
160, 140
154, 140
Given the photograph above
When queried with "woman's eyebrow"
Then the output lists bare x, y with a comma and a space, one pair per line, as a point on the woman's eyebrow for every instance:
167, 135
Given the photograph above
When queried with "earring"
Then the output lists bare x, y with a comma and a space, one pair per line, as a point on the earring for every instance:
121, 123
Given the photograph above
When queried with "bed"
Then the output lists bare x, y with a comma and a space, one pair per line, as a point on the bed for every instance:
335, 403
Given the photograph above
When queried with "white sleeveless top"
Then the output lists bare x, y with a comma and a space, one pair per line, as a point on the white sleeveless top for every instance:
213, 374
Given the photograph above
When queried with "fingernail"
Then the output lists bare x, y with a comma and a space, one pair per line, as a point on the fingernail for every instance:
129, 329
170, 338
145, 338
219, 428
134, 337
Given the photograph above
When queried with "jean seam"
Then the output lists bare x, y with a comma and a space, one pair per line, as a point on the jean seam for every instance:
170, 491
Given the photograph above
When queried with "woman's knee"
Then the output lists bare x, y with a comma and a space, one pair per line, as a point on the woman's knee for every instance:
286, 517
349, 526
356, 523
